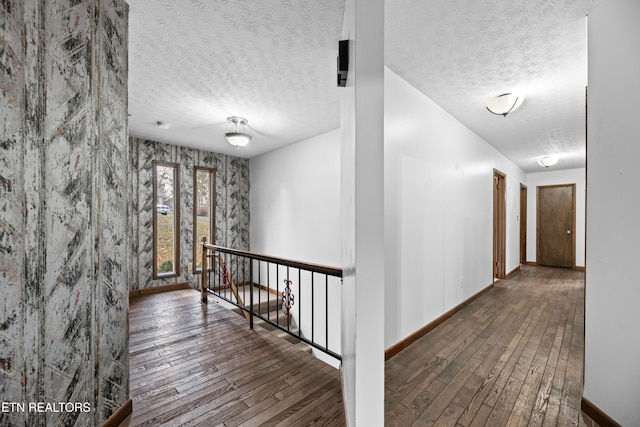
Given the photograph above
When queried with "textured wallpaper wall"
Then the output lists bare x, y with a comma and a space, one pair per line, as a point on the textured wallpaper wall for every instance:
232, 206
63, 219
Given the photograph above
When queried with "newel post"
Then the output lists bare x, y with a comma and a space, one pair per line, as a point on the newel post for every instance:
203, 278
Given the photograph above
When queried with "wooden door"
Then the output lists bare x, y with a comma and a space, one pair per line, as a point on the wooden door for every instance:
556, 225
523, 224
499, 224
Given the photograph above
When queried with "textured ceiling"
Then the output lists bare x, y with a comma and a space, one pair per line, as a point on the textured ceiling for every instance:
195, 62
461, 53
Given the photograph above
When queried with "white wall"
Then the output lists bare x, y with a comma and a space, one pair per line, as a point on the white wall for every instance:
438, 210
295, 201
570, 176
295, 214
612, 328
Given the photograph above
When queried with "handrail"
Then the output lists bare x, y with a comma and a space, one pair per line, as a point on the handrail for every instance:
317, 291
316, 268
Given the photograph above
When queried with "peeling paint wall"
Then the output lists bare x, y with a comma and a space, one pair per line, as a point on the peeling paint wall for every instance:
63, 214
232, 206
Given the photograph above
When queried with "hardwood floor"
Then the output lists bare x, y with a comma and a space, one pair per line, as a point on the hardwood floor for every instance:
194, 364
514, 357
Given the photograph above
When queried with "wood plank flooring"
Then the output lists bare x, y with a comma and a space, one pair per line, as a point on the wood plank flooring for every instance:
193, 364
514, 357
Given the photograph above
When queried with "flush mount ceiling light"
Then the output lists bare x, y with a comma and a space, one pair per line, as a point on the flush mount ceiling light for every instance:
503, 104
237, 139
547, 161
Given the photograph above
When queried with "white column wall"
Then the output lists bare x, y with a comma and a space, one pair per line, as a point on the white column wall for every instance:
569, 176
612, 328
438, 210
362, 212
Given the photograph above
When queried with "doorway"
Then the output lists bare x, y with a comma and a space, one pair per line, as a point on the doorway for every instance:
556, 224
499, 224
523, 224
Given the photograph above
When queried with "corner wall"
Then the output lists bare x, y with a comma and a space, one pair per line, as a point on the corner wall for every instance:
438, 210
232, 206
295, 201
612, 328
63, 216
295, 211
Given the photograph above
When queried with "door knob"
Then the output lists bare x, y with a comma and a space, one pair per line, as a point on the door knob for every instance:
568, 231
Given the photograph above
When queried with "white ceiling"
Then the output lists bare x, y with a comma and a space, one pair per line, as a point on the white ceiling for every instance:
193, 63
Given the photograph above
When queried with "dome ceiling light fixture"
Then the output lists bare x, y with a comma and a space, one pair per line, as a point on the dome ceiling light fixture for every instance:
237, 139
547, 161
503, 104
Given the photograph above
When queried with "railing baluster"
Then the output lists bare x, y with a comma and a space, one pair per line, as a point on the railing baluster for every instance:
259, 288
313, 306
203, 277
299, 301
244, 282
326, 311
227, 289
237, 271
251, 297
217, 274
285, 301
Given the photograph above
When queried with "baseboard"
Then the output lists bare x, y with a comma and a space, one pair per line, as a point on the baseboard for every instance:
401, 345
597, 415
513, 272
578, 268
120, 415
158, 289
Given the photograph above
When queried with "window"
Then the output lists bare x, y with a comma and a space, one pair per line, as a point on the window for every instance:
204, 203
166, 220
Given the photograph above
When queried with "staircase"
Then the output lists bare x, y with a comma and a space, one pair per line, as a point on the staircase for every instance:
269, 305
322, 283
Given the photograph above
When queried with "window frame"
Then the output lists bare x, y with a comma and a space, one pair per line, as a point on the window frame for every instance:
212, 212
176, 219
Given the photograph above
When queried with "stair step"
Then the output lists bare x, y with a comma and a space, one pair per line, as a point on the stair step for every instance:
262, 299
278, 332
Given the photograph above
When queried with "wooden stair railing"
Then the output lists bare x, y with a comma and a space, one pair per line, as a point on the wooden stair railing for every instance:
310, 279
226, 276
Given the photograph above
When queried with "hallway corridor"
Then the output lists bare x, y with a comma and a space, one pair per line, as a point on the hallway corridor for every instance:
513, 357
